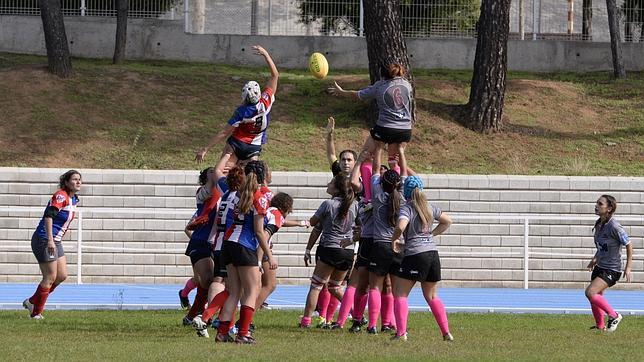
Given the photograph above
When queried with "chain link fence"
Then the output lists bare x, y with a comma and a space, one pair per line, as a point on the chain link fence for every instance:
583, 20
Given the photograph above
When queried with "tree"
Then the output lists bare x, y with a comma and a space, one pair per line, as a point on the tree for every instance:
484, 111
385, 42
615, 39
121, 31
58, 58
587, 20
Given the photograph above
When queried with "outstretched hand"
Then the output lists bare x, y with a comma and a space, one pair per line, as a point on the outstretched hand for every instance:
335, 90
330, 125
201, 155
259, 50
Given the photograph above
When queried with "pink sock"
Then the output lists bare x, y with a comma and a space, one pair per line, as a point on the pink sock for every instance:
365, 173
347, 303
374, 307
330, 309
599, 316
359, 304
438, 309
305, 322
401, 311
387, 310
600, 302
323, 301
190, 285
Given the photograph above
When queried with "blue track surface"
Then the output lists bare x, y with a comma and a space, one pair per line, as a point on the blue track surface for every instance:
142, 296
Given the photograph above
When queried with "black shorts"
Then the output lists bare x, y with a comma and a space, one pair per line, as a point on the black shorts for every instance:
383, 260
364, 250
609, 276
39, 248
390, 135
219, 271
243, 150
341, 259
197, 250
237, 255
423, 267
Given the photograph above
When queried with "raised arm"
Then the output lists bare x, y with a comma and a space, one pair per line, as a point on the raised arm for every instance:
226, 131
330, 143
356, 185
336, 90
272, 83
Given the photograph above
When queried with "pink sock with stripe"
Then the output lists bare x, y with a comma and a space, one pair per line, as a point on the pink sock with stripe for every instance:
387, 310
347, 303
438, 310
600, 302
374, 307
401, 311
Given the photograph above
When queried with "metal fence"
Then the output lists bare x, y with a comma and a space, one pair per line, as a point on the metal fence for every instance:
164, 9
529, 19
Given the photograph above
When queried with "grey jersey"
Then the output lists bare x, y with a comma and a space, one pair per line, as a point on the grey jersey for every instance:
334, 230
418, 239
393, 97
382, 230
365, 213
609, 239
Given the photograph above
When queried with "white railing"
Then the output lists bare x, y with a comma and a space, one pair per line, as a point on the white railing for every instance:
456, 217
165, 9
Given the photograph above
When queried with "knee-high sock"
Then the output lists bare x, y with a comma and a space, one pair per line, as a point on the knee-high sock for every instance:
598, 314
323, 301
245, 319
438, 310
366, 172
347, 303
39, 299
401, 311
374, 307
359, 304
200, 302
330, 309
190, 285
215, 304
600, 302
387, 310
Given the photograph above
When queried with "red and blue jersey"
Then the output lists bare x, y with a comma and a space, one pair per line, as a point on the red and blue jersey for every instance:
225, 216
251, 120
242, 230
66, 206
273, 221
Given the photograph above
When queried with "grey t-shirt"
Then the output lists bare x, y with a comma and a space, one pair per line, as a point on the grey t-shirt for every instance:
393, 97
365, 212
334, 230
382, 230
418, 239
609, 239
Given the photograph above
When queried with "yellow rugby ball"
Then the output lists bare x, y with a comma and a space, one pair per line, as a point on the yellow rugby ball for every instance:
318, 66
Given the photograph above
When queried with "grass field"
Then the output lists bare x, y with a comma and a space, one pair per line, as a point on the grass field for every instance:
158, 335
156, 114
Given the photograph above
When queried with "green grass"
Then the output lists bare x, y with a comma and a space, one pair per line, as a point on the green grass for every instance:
156, 114
158, 335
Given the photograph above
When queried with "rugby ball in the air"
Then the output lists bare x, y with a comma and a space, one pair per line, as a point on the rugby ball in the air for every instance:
318, 66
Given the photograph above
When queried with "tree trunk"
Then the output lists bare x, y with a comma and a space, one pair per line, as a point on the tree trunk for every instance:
484, 111
58, 59
121, 31
385, 42
615, 39
587, 20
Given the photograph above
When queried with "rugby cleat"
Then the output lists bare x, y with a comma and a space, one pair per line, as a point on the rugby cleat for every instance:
37, 317
399, 338
245, 340
224, 338
372, 330
611, 325
184, 301
448, 337
356, 327
186, 321
28, 306
387, 328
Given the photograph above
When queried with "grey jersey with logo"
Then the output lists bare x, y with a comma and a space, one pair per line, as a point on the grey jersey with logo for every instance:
609, 239
334, 230
365, 212
393, 97
382, 230
418, 239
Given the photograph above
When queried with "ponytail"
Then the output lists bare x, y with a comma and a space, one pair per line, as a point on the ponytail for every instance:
392, 70
419, 203
246, 192
342, 184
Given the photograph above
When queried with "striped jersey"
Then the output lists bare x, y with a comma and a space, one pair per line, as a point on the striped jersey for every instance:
251, 120
66, 206
242, 230
273, 221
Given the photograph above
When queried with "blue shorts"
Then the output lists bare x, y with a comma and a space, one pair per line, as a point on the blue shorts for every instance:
243, 150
